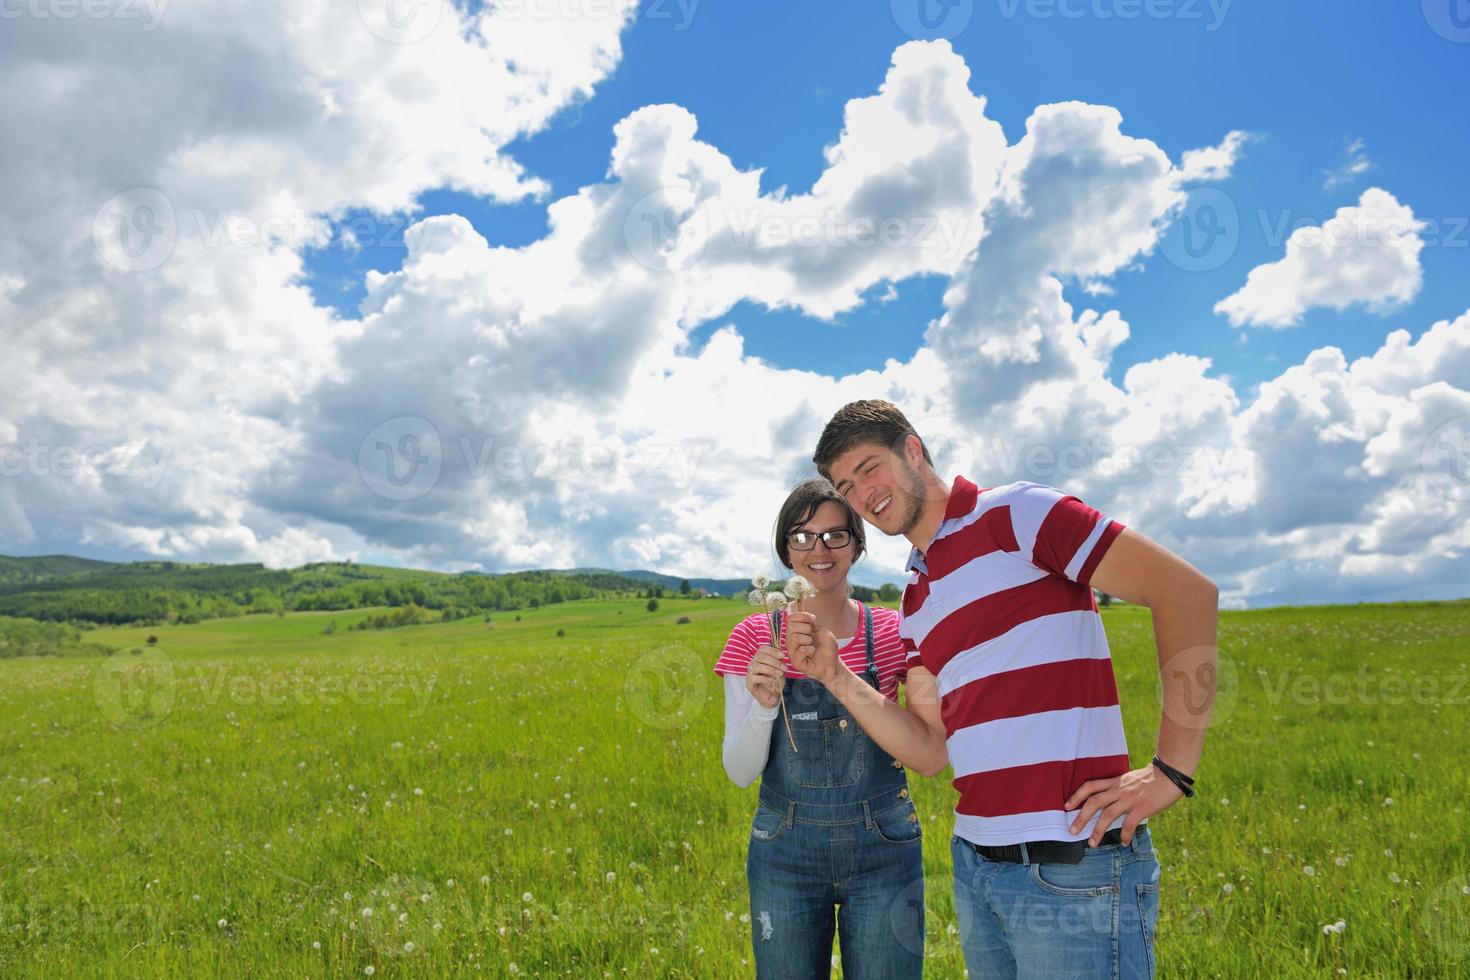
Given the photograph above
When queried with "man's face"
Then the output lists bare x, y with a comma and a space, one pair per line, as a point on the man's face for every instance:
881, 486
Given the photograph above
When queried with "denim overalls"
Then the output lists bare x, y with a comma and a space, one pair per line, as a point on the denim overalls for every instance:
834, 826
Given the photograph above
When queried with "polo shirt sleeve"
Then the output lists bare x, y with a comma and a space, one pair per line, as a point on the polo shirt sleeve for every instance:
740, 648
910, 648
1057, 532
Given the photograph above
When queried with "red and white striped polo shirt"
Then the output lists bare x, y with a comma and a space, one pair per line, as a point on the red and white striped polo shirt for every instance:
1001, 613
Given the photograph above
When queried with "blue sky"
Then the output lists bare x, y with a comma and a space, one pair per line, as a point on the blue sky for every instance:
1169, 151
768, 84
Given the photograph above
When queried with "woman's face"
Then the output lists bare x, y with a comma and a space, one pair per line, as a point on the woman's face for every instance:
824, 567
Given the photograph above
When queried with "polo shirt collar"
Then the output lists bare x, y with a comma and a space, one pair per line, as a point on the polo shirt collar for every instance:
962, 496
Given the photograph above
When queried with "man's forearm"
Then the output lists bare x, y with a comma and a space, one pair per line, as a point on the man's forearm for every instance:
896, 730
1185, 629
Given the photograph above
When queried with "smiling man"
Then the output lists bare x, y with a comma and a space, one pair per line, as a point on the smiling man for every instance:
1054, 868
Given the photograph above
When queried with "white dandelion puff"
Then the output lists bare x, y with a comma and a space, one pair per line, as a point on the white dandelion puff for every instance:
798, 588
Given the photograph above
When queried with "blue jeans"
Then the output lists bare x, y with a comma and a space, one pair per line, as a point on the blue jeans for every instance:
869, 869
835, 846
1093, 919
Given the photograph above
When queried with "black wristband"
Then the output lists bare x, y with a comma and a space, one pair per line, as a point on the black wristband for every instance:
1185, 783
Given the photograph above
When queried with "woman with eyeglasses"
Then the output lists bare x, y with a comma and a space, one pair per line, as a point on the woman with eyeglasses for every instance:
834, 829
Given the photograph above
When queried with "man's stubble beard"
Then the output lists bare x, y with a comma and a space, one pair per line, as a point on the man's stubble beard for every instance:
912, 492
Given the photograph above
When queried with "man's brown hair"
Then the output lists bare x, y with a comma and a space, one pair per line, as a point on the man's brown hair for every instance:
872, 421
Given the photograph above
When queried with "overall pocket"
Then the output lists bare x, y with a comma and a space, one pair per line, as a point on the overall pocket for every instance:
829, 753
899, 824
767, 825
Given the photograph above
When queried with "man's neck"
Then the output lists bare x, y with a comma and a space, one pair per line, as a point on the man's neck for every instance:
936, 502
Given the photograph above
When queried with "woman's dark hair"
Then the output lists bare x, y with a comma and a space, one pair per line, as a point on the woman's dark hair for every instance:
802, 503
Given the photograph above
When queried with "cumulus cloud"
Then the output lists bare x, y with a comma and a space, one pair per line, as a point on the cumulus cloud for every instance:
1214, 163
1365, 255
501, 408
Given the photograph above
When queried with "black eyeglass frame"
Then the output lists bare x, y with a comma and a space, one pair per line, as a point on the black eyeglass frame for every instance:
825, 537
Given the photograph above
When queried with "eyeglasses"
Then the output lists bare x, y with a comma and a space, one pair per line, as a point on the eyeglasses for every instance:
807, 540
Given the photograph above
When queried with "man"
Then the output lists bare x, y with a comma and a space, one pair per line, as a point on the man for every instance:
1010, 681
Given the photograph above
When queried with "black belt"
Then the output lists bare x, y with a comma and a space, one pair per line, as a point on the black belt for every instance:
1043, 851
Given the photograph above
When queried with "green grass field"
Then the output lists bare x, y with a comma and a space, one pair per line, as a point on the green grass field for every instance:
253, 797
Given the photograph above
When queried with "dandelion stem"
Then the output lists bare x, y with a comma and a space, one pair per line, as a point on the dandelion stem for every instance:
776, 642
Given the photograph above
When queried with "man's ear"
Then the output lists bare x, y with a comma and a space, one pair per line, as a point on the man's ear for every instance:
913, 450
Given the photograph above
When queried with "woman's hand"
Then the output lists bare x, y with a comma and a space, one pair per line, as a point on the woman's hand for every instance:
813, 651
766, 676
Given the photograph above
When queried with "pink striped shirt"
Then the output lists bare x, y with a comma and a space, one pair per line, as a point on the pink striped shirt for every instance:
1001, 613
888, 650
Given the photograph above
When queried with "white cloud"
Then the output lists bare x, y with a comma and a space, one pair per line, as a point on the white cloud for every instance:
1214, 163
550, 391
1354, 166
1365, 255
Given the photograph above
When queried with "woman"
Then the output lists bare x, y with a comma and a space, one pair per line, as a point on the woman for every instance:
834, 826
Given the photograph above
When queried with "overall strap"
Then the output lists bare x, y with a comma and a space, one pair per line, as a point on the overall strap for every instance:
868, 628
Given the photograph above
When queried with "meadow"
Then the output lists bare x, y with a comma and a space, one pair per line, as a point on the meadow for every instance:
542, 795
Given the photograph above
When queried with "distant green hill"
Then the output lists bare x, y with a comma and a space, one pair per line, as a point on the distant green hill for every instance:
59, 588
